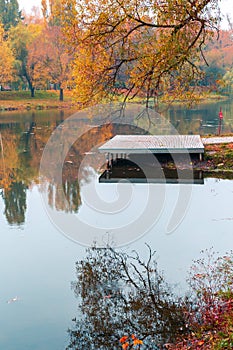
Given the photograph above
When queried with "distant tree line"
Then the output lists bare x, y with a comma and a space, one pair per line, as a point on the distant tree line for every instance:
34, 54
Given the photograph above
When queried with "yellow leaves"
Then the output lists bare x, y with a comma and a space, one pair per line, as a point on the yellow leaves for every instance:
6, 58
89, 74
2, 32
9, 159
141, 46
137, 342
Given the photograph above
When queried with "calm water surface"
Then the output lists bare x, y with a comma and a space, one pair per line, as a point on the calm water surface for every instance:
37, 261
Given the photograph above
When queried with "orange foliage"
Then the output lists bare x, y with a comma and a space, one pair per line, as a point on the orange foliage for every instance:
126, 342
123, 339
125, 346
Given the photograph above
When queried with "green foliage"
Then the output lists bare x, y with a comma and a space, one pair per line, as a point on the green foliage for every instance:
15, 203
22, 38
9, 13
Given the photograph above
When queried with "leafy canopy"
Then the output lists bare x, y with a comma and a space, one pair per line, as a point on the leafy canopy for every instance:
6, 58
143, 47
9, 13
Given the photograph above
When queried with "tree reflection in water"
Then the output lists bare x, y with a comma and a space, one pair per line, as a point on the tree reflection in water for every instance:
71, 191
15, 203
21, 149
123, 295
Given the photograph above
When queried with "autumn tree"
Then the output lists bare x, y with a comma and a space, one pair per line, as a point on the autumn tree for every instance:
218, 54
56, 59
9, 13
50, 10
227, 81
28, 62
154, 44
6, 58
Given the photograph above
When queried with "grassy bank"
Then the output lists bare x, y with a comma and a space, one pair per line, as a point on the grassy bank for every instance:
217, 161
219, 157
22, 100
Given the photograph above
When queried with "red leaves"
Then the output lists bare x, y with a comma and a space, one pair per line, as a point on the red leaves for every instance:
123, 339
133, 342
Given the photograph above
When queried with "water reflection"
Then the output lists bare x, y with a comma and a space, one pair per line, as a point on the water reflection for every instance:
124, 169
15, 203
72, 195
208, 223
22, 146
121, 295
201, 119
25, 134
23, 137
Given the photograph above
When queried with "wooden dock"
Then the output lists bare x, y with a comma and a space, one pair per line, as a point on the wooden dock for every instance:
154, 144
124, 152
122, 145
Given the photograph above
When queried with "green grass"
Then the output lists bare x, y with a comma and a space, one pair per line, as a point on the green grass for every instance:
22, 100
26, 95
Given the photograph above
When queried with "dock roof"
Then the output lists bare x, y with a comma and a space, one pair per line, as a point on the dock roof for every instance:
153, 143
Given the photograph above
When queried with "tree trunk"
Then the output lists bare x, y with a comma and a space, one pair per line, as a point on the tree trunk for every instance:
32, 92
61, 97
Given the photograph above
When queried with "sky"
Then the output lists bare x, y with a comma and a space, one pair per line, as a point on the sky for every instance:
226, 7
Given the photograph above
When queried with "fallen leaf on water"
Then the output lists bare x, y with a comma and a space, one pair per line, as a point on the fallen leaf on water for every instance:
13, 300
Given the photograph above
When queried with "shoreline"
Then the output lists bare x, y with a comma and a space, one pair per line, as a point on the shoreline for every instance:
218, 159
36, 105
22, 101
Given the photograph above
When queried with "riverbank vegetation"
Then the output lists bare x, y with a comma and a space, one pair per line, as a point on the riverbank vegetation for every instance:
126, 302
219, 156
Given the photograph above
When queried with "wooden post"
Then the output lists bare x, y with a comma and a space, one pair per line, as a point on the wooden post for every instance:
220, 116
107, 161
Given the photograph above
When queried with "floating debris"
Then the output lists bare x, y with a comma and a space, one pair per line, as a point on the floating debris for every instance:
107, 296
13, 300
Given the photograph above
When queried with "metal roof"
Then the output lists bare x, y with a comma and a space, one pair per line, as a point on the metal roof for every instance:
153, 143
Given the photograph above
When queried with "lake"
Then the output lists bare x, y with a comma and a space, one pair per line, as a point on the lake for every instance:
53, 206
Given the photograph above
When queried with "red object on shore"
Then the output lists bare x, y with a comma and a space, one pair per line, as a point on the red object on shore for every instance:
220, 115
